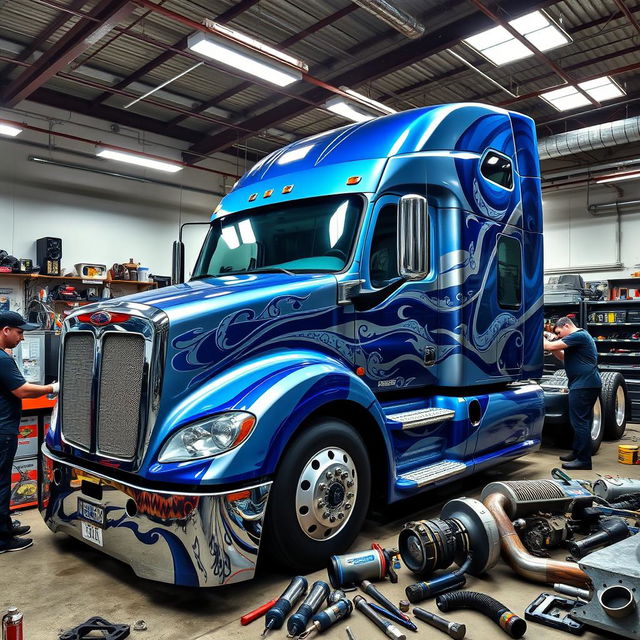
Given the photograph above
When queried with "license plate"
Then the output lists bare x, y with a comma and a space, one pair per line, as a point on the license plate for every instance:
92, 533
90, 512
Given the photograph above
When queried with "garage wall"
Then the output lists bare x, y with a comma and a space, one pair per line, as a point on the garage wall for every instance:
575, 238
100, 218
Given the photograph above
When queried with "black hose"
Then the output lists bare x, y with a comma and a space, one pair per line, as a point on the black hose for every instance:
513, 625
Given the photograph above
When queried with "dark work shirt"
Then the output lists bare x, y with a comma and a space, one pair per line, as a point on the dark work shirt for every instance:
10, 406
581, 361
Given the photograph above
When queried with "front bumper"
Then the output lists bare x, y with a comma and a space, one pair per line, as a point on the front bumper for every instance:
201, 540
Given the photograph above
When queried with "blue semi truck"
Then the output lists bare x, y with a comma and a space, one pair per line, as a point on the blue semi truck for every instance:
363, 324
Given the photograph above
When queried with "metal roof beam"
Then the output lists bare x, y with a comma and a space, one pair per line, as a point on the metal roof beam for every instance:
406, 54
77, 40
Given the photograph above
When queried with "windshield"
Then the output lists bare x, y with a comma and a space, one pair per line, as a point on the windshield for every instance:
305, 236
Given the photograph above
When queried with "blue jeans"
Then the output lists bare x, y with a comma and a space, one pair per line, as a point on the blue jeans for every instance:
581, 403
8, 447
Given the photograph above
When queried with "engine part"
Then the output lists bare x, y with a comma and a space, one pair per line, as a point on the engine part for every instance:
613, 488
404, 606
530, 496
573, 592
336, 595
352, 568
541, 532
509, 622
390, 630
615, 573
328, 617
514, 552
448, 582
611, 530
464, 525
393, 616
275, 617
108, 630
452, 629
628, 502
248, 618
547, 609
298, 622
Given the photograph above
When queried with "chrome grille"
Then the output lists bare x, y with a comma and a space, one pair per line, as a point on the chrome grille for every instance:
77, 377
120, 394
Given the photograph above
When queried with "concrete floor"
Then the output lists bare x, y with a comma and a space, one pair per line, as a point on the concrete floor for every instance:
59, 583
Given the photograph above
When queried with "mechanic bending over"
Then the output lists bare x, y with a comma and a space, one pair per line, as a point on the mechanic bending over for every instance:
577, 349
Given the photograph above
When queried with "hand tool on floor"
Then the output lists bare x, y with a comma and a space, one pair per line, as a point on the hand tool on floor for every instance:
350, 634
278, 612
407, 624
327, 617
389, 629
371, 590
298, 622
248, 618
452, 629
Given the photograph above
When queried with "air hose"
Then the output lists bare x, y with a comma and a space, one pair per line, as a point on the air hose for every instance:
508, 621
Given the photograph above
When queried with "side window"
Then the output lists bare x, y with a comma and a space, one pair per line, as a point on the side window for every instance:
498, 169
509, 273
383, 263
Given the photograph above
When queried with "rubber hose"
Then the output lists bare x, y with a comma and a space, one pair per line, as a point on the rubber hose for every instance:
509, 622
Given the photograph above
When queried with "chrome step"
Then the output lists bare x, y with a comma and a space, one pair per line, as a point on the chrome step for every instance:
429, 474
421, 417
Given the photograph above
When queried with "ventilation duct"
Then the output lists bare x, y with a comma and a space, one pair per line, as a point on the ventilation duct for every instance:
406, 24
608, 134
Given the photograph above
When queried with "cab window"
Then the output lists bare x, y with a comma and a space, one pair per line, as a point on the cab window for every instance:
383, 263
498, 169
509, 273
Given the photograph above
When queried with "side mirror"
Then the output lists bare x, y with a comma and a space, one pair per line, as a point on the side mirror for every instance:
413, 237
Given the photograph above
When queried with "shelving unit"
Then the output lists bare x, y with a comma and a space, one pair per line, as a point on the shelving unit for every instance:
555, 310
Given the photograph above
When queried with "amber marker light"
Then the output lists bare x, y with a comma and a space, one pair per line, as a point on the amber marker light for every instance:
239, 495
268, 193
252, 197
354, 180
360, 371
287, 189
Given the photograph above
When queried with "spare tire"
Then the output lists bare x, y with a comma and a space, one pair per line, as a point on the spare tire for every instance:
615, 402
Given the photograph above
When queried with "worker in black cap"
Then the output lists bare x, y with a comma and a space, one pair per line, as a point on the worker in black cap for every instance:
13, 388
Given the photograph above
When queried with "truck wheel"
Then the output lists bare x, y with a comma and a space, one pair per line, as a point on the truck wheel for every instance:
320, 496
597, 430
614, 404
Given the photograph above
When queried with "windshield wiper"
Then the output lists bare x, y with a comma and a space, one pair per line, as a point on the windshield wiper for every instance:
201, 276
271, 270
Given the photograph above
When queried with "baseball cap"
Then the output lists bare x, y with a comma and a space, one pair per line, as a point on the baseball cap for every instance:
15, 320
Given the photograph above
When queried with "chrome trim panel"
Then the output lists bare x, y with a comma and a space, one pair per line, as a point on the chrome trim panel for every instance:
201, 540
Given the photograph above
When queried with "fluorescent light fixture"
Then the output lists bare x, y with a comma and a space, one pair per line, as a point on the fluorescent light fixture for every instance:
8, 130
142, 161
600, 89
360, 109
626, 175
374, 104
500, 47
295, 154
239, 51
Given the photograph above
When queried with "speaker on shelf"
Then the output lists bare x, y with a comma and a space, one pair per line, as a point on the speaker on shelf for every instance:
49, 256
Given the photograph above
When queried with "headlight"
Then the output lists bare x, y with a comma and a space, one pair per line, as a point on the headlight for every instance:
209, 437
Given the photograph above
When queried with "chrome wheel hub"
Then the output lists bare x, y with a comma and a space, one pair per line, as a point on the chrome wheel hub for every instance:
596, 425
620, 407
326, 493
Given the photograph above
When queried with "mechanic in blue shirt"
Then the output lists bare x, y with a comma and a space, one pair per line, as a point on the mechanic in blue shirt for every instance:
13, 388
577, 349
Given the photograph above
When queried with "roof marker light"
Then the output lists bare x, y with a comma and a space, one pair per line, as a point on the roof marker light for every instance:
268, 193
354, 180
252, 197
287, 188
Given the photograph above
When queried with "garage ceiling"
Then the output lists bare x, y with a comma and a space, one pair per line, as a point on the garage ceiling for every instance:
94, 57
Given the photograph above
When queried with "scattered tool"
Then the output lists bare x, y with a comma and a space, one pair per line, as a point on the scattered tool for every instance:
387, 628
336, 595
350, 634
327, 617
573, 592
380, 598
374, 564
297, 623
404, 606
547, 608
440, 584
453, 629
407, 624
107, 630
248, 618
278, 612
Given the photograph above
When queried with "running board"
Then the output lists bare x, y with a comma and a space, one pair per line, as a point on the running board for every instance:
428, 475
421, 417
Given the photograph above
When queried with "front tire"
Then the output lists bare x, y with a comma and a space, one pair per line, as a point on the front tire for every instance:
614, 404
320, 496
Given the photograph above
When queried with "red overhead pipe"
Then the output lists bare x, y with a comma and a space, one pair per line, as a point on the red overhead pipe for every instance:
99, 143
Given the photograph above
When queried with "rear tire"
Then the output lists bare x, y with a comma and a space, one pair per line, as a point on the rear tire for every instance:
328, 465
615, 402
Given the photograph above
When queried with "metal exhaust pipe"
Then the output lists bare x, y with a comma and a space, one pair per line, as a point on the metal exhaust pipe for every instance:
521, 561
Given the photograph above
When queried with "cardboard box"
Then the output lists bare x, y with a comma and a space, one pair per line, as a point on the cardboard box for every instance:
24, 484
27, 438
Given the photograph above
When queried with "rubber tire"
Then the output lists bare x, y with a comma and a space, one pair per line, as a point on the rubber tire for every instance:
611, 381
596, 442
284, 538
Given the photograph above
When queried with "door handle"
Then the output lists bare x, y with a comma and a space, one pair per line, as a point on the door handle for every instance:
429, 356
